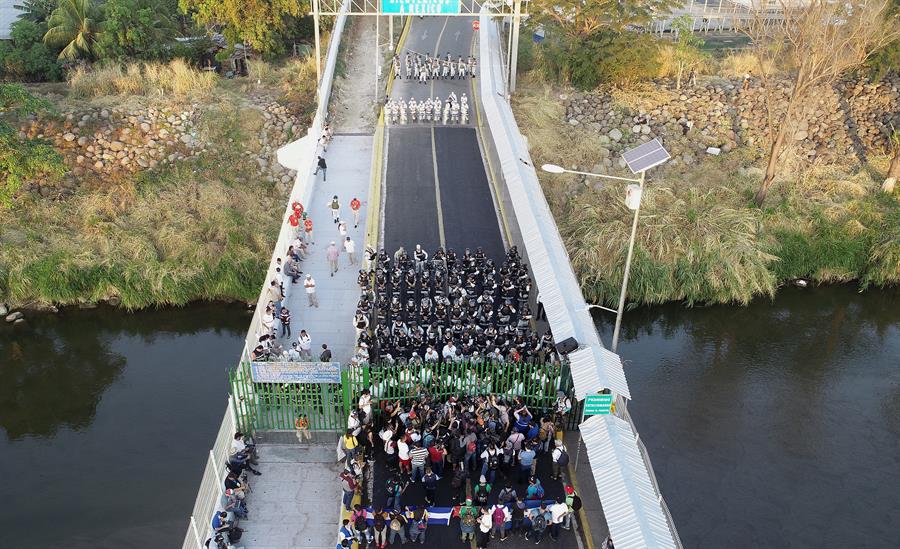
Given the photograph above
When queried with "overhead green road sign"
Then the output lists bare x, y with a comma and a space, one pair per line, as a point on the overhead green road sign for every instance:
420, 7
596, 405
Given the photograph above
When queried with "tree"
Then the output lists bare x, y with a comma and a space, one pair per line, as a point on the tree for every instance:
821, 40
255, 23
583, 38
136, 29
22, 159
893, 173
687, 47
73, 26
25, 56
585, 18
36, 11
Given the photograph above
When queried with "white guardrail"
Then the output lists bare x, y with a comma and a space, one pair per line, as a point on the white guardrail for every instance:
299, 155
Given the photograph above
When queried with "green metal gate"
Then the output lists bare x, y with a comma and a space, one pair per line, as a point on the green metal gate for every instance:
275, 406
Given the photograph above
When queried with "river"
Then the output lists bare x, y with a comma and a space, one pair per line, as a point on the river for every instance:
776, 424
773, 425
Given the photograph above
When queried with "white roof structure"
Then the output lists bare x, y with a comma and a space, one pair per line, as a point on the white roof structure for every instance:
8, 14
594, 367
558, 289
630, 503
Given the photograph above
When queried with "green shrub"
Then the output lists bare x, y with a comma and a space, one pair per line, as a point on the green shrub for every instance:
25, 57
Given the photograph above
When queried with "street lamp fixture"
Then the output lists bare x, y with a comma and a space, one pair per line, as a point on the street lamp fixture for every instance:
639, 160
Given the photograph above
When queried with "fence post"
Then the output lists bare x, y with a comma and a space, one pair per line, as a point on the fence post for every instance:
196, 533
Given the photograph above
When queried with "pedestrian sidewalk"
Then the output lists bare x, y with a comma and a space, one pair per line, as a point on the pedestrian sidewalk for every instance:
295, 503
349, 165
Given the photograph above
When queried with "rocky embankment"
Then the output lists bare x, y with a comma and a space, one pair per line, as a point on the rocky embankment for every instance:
97, 142
849, 118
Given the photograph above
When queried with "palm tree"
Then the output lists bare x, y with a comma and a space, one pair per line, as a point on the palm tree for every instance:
73, 26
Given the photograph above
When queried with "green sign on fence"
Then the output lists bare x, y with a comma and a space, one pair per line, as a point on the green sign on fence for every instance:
596, 405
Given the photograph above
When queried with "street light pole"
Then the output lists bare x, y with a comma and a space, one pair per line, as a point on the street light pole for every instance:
634, 223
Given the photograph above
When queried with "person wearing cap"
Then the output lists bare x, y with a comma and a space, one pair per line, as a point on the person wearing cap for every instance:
468, 519
573, 501
310, 285
332, 253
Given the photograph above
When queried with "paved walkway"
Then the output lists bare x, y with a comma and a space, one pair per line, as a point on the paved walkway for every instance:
349, 160
296, 501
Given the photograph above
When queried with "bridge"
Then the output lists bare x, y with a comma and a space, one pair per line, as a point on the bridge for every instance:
454, 185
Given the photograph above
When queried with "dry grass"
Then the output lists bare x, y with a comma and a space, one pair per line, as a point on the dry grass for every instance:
176, 78
699, 239
737, 64
703, 64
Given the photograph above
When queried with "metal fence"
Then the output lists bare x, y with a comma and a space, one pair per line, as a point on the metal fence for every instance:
275, 406
211, 485
622, 412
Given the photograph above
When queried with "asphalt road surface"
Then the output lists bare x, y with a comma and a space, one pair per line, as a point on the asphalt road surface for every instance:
436, 188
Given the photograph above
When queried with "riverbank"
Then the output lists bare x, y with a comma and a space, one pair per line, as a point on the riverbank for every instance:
172, 194
700, 240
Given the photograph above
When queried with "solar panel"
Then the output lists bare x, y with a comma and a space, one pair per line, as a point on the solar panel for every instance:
645, 156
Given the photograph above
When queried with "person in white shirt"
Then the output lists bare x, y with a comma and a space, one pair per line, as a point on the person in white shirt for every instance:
350, 248
304, 342
558, 512
449, 352
431, 355
294, 353
365, 404
310, 285
403, 455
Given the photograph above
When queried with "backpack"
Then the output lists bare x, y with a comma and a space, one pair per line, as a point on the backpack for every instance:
360, 523
576, 502
469, 518
470, 447
493, 461
481, 494
539, 492
563, 458
539, 522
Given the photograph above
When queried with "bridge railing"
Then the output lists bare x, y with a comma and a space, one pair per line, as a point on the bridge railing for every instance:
212, 484
300, 156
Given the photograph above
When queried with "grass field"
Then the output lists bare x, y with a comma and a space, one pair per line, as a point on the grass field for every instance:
198, 229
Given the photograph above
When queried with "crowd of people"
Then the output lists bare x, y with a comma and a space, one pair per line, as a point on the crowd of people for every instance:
488, 447
242, 456
418, 307
453, 110
422, 68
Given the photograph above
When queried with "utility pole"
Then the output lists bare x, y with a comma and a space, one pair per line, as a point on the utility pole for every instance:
517, 18
318, 53
615, 337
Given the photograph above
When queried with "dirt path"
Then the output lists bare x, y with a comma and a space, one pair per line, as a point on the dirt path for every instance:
353, 106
